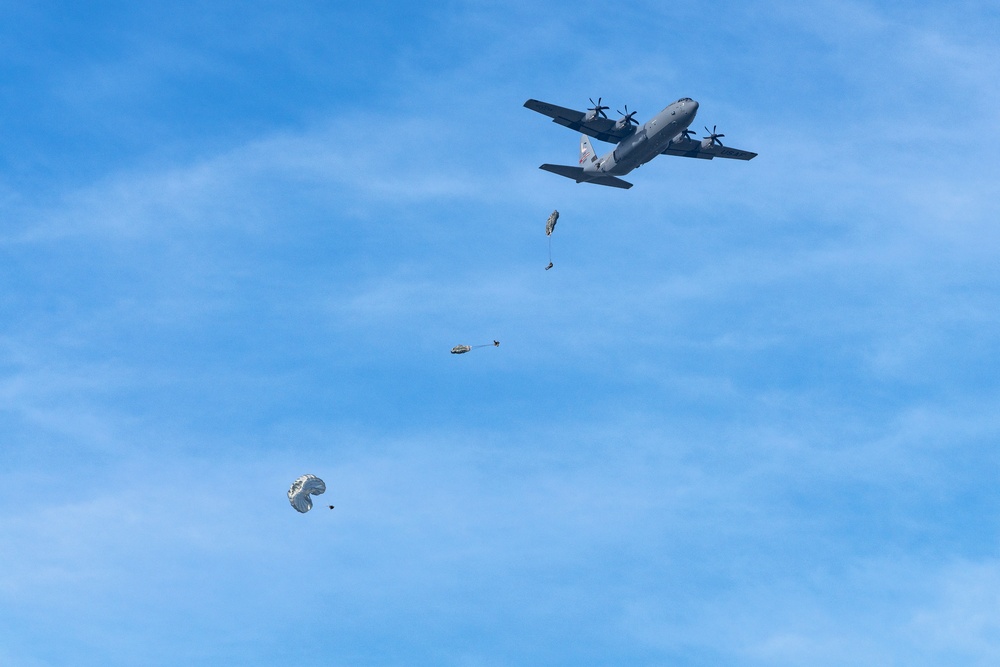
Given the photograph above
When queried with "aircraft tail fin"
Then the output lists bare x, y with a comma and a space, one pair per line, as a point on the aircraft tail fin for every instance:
587, 153
578, 175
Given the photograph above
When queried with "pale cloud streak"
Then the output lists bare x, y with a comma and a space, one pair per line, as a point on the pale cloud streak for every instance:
746, 417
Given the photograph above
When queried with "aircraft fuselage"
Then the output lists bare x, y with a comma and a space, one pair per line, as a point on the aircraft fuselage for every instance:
648, 140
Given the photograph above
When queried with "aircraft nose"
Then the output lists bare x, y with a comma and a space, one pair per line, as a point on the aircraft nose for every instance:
694, 108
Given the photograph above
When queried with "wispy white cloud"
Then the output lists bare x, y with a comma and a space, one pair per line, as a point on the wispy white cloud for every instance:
961, 618
491, 512
742, 420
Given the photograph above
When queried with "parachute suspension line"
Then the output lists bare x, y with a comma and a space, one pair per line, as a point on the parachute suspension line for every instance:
462, 349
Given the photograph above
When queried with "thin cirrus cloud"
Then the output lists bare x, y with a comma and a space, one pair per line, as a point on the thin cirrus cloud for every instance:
747, 418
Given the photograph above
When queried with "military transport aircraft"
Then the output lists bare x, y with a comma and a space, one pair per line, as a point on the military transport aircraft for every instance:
666, 133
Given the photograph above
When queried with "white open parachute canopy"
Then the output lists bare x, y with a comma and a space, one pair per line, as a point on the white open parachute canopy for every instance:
302, 488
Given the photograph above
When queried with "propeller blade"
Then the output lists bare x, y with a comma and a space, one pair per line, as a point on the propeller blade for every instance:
598, 108
628, 117
713, 135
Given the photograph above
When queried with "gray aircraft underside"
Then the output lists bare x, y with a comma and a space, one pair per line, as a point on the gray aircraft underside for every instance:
666, 133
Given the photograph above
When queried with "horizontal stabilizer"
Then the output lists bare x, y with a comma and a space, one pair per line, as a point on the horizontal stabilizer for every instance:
578, 175
611, 181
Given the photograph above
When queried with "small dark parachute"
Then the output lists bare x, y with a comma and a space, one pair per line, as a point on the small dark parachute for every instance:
301, 489
550, 226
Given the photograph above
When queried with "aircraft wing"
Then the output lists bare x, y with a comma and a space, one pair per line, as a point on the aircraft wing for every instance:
695, 149
599, 128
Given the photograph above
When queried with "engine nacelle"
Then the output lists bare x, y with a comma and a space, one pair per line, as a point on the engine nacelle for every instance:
624, 126
681, 139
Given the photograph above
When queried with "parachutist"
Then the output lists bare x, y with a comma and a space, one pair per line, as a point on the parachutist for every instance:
330, 506
496, 343
549, 266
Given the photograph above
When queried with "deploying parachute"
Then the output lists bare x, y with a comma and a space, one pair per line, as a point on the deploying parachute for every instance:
550, 226
462, 349
302, 488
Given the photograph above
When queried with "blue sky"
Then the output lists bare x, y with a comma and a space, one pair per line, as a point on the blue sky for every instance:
750, 418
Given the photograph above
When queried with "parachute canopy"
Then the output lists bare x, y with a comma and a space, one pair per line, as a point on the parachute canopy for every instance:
302, 488
462, 349
550, 224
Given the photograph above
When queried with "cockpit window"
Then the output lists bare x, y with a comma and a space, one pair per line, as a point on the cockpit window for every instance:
685, 99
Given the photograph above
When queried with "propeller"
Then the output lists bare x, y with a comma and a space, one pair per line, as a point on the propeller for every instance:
628, 118
687, 132
597, 108
714, 135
